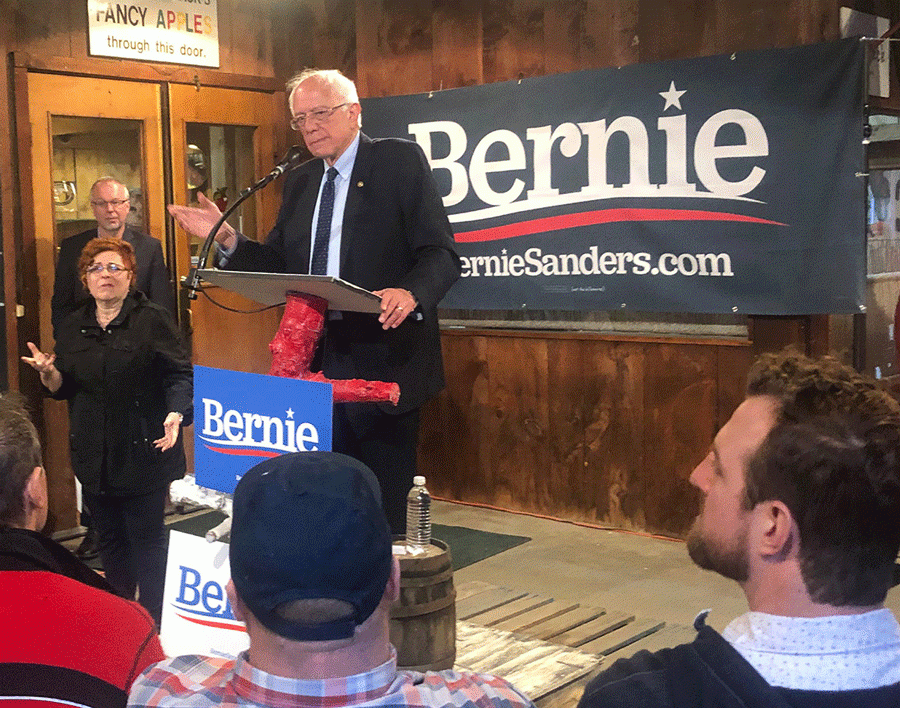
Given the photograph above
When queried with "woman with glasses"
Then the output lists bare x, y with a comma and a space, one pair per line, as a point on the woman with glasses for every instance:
121, 365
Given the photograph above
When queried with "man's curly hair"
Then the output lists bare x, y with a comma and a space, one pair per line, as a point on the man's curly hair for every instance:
833, 458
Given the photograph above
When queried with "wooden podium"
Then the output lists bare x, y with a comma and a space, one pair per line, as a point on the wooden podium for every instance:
307, 298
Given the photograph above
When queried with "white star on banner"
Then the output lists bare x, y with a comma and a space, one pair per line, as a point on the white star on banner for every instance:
290, 413
673, 97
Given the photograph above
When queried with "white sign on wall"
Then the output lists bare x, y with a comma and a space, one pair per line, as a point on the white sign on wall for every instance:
860, 23
174, 31
197, 617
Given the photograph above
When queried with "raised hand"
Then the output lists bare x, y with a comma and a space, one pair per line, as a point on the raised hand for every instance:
45, 366
198, 221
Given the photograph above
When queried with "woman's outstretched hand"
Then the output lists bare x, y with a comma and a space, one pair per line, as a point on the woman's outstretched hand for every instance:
44, 365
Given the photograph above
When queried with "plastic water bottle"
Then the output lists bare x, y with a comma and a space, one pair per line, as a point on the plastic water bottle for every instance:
418, 514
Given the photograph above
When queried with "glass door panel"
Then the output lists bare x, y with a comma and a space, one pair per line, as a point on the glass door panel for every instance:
84, 150
222, 141
883, 281
219, 162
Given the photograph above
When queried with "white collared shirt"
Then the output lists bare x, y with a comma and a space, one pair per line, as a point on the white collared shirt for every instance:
835, 653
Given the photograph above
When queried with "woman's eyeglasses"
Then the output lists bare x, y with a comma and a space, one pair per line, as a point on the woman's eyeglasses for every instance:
113, 268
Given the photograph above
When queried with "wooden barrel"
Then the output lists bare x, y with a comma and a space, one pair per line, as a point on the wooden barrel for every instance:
423, 619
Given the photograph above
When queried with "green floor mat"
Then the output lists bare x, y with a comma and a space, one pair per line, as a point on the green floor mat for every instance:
467, 545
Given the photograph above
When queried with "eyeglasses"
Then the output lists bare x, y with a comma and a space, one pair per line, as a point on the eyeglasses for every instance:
111, 268
320, 115
112, 202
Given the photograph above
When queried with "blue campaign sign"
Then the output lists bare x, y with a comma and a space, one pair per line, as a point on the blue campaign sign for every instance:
242, 419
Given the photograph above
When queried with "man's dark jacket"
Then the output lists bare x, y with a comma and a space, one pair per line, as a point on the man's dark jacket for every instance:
65, 639
151, 278
710, 673
395, 235
121, 383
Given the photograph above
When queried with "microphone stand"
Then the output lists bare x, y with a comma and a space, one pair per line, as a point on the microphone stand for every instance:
193, 285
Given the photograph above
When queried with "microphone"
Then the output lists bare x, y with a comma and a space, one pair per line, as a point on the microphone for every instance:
292, 159
289, 161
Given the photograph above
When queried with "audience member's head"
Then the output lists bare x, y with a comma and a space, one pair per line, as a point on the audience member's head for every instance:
23, 484
310, 547
66, 638
313, 577
802, 482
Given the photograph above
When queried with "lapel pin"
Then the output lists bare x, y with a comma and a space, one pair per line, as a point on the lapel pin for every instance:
359, 184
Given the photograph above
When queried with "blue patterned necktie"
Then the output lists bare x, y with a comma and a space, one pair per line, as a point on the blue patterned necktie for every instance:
323, 227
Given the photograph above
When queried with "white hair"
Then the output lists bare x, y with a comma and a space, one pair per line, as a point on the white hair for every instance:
340, 85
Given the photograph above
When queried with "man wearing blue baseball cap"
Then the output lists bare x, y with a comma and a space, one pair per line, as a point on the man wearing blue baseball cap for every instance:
313, 578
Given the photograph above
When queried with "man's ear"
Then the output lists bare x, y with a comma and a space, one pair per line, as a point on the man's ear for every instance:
393, 585
237, 607
35, 493
774, 530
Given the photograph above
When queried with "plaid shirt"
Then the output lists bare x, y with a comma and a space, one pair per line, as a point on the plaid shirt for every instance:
203, 682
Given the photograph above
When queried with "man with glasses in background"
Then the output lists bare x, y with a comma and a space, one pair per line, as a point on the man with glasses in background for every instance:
110, 203
367, 211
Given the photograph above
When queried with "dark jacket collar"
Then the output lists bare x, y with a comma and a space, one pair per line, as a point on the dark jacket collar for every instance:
88, 312
21, 549
718, 669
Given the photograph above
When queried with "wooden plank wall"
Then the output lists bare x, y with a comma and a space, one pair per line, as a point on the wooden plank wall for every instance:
579, 426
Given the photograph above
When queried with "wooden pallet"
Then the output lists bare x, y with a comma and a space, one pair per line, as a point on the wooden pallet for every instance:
548, 648
533, 666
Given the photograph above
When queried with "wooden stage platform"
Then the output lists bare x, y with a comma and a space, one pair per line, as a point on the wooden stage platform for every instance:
548, 648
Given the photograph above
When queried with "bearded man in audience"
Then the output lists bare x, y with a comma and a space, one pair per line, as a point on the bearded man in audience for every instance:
800, 507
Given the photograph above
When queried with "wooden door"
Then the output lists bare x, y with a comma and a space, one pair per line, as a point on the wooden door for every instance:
223, 140
80, 129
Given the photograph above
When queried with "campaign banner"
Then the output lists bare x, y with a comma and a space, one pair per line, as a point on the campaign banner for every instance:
197, 616
730, 183
173, 31
242, 419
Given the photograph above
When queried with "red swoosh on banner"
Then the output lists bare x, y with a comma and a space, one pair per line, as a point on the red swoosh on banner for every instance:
242, 451
603, 216
211, 623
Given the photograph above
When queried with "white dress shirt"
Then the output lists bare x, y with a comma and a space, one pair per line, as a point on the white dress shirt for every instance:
835, 653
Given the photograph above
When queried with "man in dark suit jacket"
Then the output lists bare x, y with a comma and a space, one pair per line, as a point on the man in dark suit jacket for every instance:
387, 232
110, 203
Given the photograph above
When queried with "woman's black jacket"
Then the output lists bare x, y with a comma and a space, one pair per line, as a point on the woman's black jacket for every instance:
120, 383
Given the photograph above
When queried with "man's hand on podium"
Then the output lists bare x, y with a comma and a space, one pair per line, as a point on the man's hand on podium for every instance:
396, 306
